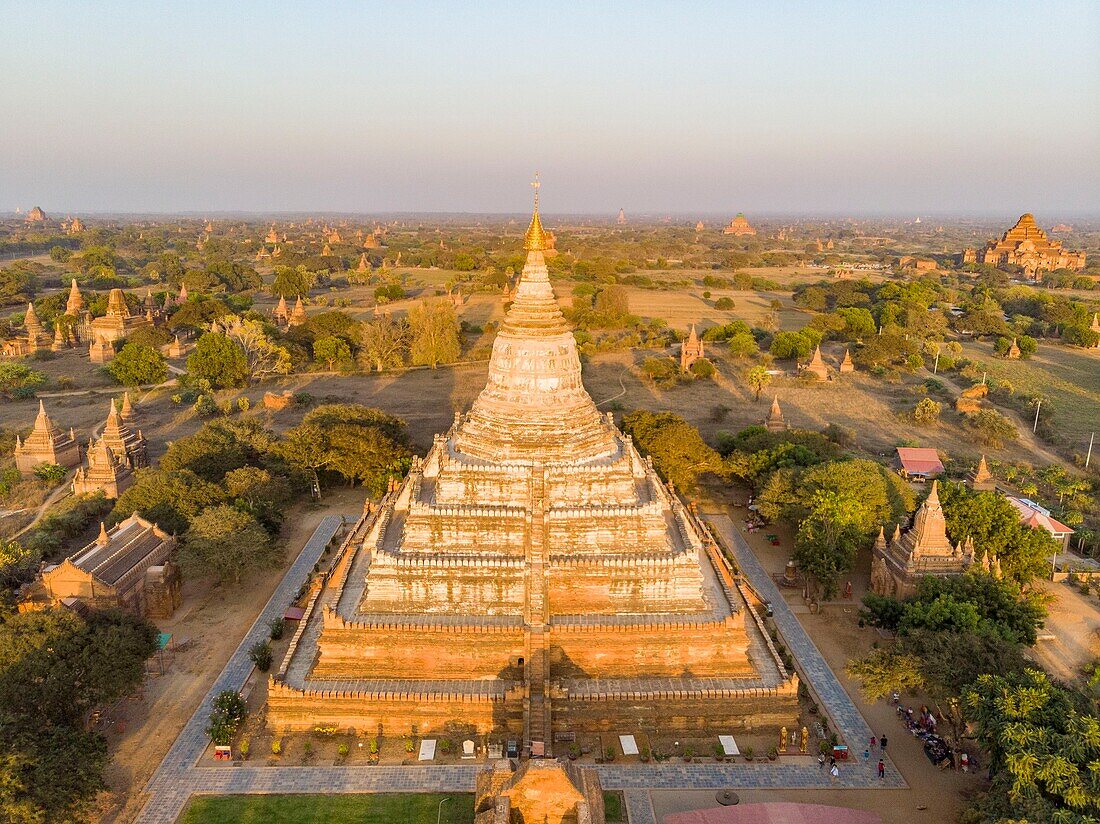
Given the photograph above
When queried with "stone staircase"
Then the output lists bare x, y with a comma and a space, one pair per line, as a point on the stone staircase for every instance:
536, 724
537, 677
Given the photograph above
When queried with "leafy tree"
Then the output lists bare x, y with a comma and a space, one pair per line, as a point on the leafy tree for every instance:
355, 442
828, 537
17, 564
724, 304
137, 364
292, 281
703, 368
218, 360
992, 427
228, 543
260, 654
927, 412
170, 499
261, 494
758, 380
743, 345
994, 525
51, 473
389, 292
1043, 750
262, 355
19, 381
331, 351
220, 447
678, 450
434, 330
385, 343
791, 345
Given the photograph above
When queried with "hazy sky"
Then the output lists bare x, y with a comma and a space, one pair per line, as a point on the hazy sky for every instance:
763, 106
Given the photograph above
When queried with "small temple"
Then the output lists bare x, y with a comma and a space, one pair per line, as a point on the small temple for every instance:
982, 479
846, 365
46, 444
775, 422
281, 314
103, 472
35, 215
298, 316
1013, 352
621, 219
128, 445
540, 792
74, 306
691, 350
127, 567
816, 366
118, 322
739, 226
924, 549
1027, 246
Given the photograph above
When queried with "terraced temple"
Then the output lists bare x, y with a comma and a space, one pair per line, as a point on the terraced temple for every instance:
531, 575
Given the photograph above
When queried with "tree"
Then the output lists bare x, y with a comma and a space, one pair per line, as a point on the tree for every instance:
137, 364
742, 345
18, 564
227, 542
355, 442
678, 450
330, 351
169, 499
1043, 751
434, 330
992, 427
260, 655
389, 292
218, 360
927, 412
262, 355
259, 493
791, 345
291, 281
220, 447
758, 379
994, 525
19, 381
828, 537
385, 343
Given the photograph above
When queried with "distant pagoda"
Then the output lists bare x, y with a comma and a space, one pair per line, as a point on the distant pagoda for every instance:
739, 226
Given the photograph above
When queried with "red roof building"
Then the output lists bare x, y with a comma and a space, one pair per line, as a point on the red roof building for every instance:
919, 464
1034, 516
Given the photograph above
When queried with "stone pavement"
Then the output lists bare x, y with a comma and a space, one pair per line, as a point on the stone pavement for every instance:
179, 776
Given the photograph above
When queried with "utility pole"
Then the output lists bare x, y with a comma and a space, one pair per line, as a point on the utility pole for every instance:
1038, 406
936, 365
1088, 457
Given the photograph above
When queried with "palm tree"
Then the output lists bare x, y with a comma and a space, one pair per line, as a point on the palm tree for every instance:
758, 379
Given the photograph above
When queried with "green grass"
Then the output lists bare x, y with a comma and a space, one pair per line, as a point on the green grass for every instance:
613, 807
381, 808
1068, 378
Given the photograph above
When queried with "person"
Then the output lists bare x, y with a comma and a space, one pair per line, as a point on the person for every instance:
882, 743
821, 761
873, 742
881, 768
835, 772
896, 698
867, 753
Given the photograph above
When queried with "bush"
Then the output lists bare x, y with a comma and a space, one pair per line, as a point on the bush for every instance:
927, 412
276, 746
50, 473
244, 748
260, 655
276, 627
343, 749
724, 304
206, 407
389, 292
228, 713
993, 428
703, 368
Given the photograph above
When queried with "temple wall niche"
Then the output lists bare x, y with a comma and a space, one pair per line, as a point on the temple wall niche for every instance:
415, 652
445, 590
604, 589
699, 651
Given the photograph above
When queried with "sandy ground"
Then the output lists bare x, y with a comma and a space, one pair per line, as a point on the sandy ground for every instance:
1071, 637
214, 619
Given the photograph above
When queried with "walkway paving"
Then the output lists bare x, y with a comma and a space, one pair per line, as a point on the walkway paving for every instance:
179, 776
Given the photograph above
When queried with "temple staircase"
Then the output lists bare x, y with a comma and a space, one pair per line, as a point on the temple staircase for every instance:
536, 725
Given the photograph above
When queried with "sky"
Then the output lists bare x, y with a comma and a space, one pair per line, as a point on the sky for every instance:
830, 108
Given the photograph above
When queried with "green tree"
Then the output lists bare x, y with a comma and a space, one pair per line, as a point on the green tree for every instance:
828, 537
993, 428
676, 447
331, 351
218, 360
228, 543
433, 327
226, 716
137, 364
927, 412
758, 380
18, 381
170, 499
291, 281
743, 345
791, 345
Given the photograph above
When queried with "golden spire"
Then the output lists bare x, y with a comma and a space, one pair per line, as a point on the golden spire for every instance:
535, 239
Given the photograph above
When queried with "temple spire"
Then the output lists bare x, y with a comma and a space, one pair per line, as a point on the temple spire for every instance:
535, 239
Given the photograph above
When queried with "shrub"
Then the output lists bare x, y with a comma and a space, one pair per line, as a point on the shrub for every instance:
343, 749
226, 717
244, 404
276, 626
206, 407
244, 748
260, 655
927, 412
276, 746
50, 473
703, 368
724, 304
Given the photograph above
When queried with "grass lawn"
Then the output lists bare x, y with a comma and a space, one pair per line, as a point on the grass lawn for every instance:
1068, 378
380, 808
613, 807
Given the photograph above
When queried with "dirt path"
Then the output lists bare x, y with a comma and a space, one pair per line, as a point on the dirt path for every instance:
214, 619
1071, 637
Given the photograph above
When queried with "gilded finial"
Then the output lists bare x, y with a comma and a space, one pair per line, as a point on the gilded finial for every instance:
535, 239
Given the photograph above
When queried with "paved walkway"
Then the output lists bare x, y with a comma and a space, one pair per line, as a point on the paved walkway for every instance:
175, 778
179, 776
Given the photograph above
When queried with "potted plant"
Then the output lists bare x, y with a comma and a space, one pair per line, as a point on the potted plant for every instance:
373, 748
719, 753
609, 754
748, 753
643, 755
244, 747
773, 753
574, 752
